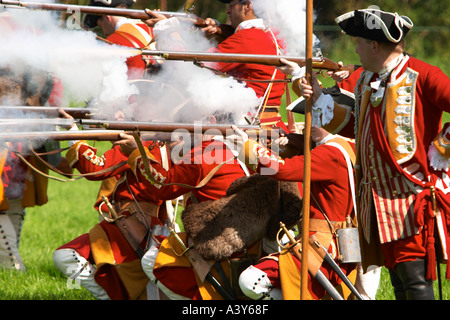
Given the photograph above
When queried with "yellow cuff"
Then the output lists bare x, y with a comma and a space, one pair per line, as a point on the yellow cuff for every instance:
136, 155
296, 87
248, 154
72, 153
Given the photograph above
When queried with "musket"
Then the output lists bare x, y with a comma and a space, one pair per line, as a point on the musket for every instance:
96, 135
212, 129
327, 258
321, 63
77, 113
295, 248
222, 30
6, 124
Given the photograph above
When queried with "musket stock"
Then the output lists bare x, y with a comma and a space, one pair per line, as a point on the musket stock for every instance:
263, 59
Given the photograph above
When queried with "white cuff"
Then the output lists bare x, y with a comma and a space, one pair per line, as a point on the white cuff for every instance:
437, 161
299, 72
326, 139
72, 142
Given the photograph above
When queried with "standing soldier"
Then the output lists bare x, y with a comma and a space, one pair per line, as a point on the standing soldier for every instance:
252, 36
402, 153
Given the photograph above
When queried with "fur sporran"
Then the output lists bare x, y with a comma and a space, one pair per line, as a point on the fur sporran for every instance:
251, 210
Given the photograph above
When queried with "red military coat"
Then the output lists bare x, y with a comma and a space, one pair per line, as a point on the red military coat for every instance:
192, 169
179, 276
330, 194
84, 158
394, 137
253, 41
119, 270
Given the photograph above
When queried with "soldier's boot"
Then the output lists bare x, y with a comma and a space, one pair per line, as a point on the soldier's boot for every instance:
79, 271
412, 276
399, 290
9, 253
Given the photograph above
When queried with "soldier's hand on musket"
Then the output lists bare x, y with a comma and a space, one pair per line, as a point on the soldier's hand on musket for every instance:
65, 115
127, 143
282, 141
338, 76
308, 90
237, 139
210, 27
154, 17
291, 68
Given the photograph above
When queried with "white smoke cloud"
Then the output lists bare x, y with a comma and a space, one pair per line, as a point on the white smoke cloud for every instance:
193, 93
289, 18
87, 67
90, 68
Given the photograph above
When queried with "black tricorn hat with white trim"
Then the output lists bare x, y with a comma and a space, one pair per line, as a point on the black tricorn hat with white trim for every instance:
375, 25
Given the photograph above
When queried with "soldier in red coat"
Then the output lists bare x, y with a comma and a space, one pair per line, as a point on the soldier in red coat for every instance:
331, 206
105, 261
402, 152
177, 279
124, 32
21, 187
251, 36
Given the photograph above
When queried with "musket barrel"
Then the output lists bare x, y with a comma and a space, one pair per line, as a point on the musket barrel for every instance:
272, 60
129, 13
96, 135
14, 111
31, 123
212, 129
264, 59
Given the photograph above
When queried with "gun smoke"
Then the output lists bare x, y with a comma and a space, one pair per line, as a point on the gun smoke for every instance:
181, 91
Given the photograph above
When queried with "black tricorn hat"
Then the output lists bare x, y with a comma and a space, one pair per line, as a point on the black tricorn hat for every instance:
90, 20
375, 25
